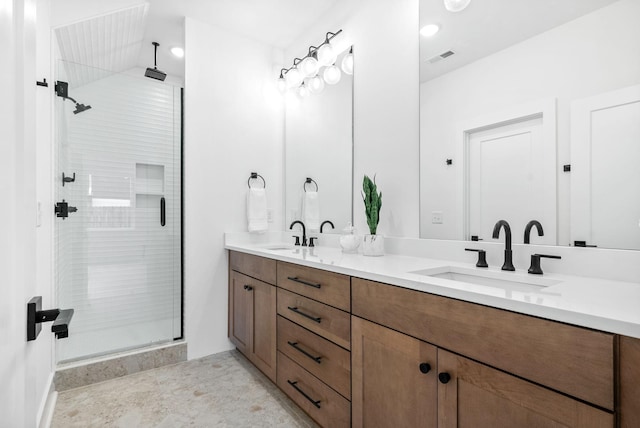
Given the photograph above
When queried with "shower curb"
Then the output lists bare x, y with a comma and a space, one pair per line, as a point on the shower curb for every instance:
83, 373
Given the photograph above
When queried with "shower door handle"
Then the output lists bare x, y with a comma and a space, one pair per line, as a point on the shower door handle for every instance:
163, 216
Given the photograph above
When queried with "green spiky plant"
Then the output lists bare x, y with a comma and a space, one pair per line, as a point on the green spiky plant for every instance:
372, 203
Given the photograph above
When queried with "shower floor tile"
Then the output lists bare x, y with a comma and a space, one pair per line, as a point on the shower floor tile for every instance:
222, 390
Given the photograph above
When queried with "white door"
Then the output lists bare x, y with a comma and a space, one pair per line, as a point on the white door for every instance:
605, 177
508, 168
25, 367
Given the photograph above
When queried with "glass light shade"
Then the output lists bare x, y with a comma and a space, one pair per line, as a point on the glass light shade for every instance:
309, 66
326, 55
456, 5
347, 63
303, 91
316, 84
332, 75
282, 85
294, 77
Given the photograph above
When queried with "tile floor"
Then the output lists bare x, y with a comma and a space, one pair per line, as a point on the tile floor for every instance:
222, 390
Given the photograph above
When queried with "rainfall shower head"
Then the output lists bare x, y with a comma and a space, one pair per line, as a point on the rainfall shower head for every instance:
62, 90
154, 73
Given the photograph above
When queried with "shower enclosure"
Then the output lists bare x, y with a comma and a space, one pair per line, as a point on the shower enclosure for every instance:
118, 190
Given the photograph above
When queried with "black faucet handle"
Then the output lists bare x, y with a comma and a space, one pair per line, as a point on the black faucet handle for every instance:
482, 257
311, 243
535, 268
297, 240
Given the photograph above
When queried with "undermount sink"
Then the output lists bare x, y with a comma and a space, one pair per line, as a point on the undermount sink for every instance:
279, 247
502, 280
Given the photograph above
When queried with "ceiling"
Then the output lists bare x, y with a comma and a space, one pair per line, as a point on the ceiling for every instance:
488, 26
273, 22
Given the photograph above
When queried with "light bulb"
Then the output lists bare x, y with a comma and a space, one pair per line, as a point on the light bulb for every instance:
309, 66
326, 54
282, 84
332, 74
347, 63
316, 84
456, 5
303, 91
294, 77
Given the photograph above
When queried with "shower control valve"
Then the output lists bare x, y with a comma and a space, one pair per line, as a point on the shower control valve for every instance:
63, 209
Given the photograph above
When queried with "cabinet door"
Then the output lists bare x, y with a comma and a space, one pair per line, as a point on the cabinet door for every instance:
389, 386
629, 382
240, 312
264, 327
479, 396
252, 321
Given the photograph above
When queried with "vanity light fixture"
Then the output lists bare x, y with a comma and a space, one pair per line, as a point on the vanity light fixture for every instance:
347, 62
456, 5
316, 65
429, 30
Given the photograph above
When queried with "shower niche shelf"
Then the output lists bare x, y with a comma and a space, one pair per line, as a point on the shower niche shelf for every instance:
149, 179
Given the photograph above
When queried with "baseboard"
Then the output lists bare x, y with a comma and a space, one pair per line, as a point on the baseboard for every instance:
48, 404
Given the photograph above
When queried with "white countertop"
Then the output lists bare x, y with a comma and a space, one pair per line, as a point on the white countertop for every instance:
607, 305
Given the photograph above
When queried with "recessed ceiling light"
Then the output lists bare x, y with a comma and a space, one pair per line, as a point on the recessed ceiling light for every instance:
429, 30
177, 51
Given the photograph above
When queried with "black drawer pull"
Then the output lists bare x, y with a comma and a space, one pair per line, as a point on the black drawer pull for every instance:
248, 287
302, 281
312, 318
297, 388
297, 348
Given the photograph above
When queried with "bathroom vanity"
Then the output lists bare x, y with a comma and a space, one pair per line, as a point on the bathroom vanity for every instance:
392, 341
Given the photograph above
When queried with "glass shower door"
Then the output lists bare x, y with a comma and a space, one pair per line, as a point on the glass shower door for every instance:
118, 250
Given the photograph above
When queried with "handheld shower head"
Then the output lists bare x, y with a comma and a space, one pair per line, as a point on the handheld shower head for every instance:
80, 108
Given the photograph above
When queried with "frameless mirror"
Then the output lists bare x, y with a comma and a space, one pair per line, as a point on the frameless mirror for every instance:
319, 153
530, 110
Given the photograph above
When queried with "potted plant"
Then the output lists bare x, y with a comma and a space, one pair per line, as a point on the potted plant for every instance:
373, 244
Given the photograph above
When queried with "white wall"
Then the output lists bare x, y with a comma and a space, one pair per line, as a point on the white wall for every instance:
384, 34
233, 126
25, 367
591, 55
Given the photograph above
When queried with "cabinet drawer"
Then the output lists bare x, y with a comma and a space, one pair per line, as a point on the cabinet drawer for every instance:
573, 360
325, 360
322, 403
331, 323
326, 287
254, 266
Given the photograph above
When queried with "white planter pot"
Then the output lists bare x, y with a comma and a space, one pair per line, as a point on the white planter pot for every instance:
373, 245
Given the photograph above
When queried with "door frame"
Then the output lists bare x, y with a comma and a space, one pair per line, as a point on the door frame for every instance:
546, 110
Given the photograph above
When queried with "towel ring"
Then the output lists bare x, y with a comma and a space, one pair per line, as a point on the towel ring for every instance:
255, 175
309, 181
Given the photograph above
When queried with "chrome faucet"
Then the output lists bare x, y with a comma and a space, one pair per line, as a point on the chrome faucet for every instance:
304, 232
527, 230
326, 222
508, 263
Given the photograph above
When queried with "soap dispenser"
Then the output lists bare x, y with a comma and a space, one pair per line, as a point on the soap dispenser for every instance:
350, 240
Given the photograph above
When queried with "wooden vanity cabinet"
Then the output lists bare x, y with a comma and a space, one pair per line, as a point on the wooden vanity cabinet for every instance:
506, 369
314, 342
629, 382
252, 310
399, 380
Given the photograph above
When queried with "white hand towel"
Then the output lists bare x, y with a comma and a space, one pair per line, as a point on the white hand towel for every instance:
311, 211
257, 210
